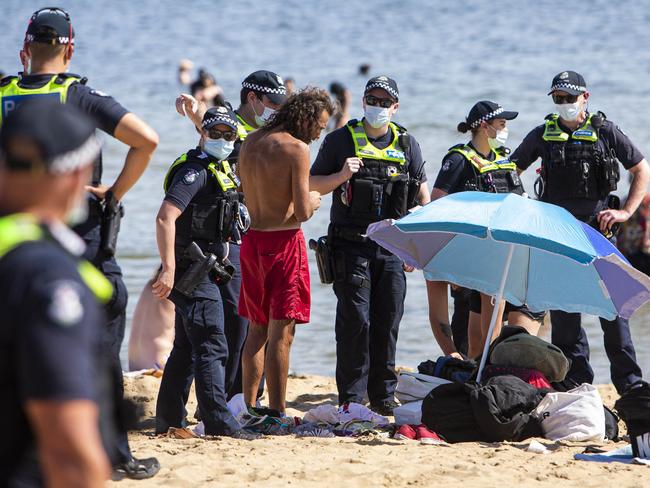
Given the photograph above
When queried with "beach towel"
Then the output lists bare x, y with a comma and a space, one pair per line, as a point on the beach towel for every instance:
620, 455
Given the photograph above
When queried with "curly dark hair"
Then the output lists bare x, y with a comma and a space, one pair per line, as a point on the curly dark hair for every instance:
307, 105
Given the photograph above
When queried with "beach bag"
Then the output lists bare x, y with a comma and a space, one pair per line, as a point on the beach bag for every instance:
576, 415
409, 413
412, 387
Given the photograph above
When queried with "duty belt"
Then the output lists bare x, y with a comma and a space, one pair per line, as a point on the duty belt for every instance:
349, 234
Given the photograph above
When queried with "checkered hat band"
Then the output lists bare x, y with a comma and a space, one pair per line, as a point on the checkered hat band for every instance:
489, 116
83, 155
383, 86
570, 86
264, 89
218, 119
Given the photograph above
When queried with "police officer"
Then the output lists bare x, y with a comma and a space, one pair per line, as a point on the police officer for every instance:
481, 164
580, 153
375, 169
201, 208
262, 93
51, 318
46, 56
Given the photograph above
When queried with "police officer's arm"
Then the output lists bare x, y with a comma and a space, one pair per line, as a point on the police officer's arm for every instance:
450, 176
69, 445
416, 169
142, 141
165, 232
439, 317
638, 188
327, 173
187, 105
305, 202
529, 150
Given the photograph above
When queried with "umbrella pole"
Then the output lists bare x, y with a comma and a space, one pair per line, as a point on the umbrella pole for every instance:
495, 313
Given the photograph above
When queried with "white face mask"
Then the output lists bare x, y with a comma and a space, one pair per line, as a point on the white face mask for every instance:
218, 148
260, 120
499, 139
377, 116
568, 111
28, 68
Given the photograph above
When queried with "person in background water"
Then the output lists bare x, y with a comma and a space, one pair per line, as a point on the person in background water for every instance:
205, 89
375, 170
184, 69
633, 239
364, 69
482, 164
201, 208
580, 153
275, 293
50, 376
342, 97
290, 85
46, 56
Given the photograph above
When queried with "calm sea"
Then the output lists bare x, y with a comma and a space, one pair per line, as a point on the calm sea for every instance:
444, 55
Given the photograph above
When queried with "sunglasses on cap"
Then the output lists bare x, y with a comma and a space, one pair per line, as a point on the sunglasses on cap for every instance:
217, 134
562, 99
381, 102
51, 10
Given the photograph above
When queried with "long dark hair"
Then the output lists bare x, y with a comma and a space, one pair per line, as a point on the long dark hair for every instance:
305, 106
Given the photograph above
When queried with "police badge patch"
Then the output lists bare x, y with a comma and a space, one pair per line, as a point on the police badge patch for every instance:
65, 306
190, 177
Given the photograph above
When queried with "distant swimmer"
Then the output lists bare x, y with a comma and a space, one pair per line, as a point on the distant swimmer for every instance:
290, 84
184, 68
206, 89
275, 294
152, 331
342, 96
374, 169
580, 152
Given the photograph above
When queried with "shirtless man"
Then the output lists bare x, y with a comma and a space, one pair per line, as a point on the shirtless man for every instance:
275, 294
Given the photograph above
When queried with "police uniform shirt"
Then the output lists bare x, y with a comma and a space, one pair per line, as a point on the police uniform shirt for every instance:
48, 333
456, 171
338, 146
105, 111
534, 147
192, 179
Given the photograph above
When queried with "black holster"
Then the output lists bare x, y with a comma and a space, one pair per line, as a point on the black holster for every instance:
111, 218
324, 259
202, 265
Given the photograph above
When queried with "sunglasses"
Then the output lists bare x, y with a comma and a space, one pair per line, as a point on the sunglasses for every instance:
562, 99
217, 134
382, 102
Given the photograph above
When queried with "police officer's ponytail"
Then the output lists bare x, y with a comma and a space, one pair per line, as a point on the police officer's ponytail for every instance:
463, 127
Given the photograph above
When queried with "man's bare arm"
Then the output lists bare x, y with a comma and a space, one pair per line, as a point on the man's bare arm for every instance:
69, 444
304, 204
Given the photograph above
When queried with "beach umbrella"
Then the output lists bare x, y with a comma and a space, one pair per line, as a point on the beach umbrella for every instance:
521, 250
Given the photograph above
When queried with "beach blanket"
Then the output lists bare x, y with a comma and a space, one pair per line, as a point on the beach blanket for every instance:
620, 455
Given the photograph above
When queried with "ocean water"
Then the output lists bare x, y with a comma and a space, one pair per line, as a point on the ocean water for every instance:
445, 56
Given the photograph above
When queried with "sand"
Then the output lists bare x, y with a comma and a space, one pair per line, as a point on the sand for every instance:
370, 461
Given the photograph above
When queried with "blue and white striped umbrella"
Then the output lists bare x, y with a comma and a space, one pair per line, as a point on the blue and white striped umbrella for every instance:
526, 251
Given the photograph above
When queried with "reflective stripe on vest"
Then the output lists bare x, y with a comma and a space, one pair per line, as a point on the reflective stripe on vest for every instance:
219, 170
554, 133
12, 93
17, 229
363, 148
243, 127
481, 164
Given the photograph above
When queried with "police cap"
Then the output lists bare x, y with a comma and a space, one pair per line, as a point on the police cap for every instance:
570, 82
50, 25
387, 84
43, 134
486, 110
267, 83
219, 115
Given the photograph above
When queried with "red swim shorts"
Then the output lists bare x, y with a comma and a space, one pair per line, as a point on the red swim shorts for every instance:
275, 276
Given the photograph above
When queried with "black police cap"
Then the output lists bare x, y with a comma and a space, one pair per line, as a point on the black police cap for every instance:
570, 82
219, 115
50, 25
486, 110
267, 83
387, 84
45, 134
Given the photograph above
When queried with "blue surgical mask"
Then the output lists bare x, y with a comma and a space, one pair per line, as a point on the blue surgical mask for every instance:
218, 148
377, 116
